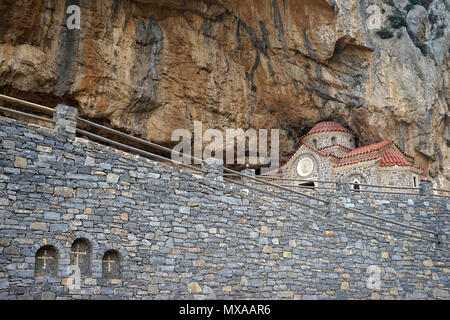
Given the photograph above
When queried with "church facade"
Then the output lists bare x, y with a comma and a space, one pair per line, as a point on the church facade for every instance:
328, 153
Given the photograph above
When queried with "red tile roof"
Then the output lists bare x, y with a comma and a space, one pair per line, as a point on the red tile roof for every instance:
356, 161
388, 159
335, 145
367, 149
391, 158
405, 154
323, 154
327, 126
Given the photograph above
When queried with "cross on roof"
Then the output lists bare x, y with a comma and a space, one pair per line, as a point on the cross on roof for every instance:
45, 258
109, 262
78, 253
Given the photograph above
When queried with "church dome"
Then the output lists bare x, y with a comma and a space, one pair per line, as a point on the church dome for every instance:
328, 134
327, 126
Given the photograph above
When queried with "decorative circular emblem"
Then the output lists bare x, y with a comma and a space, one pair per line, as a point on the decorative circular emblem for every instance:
305, 167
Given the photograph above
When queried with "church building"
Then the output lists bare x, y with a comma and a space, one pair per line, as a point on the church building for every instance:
328, 153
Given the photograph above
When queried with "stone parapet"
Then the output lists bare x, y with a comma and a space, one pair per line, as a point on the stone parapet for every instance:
185, 236
65, 122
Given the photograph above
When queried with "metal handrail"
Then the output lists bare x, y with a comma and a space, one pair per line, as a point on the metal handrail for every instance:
300, 180
27, 104
253, 178
441, 190
439, 195
327, 211
386, 220
146, 153
137, 150
51, 111
151, 144
401, 193
381, 186
26, 114
335, 182
276, 195
191, 157
124, 135
274, 185
305, 187
233, 172
340, 218
148, 143
388, 192
390, 230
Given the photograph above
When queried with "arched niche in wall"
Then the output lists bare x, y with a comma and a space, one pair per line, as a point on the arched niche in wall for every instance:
80, 256
356, 179
46, 262
111, 265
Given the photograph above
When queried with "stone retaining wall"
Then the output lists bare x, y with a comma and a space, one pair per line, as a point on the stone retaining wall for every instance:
180, 235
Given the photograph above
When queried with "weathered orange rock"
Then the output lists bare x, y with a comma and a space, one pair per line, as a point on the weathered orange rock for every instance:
151, 66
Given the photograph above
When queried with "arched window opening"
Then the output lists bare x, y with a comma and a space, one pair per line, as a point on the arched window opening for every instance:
46, 262
81, 256
315, 143
333, 141
356, 185
415, 182
111, 265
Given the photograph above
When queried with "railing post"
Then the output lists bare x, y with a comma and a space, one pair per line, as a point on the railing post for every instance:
332, 207
339, 184
249, 172
426, 188
212, 168
346, 185
65, 122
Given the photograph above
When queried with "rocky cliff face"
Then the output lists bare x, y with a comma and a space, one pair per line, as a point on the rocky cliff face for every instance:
152, 66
